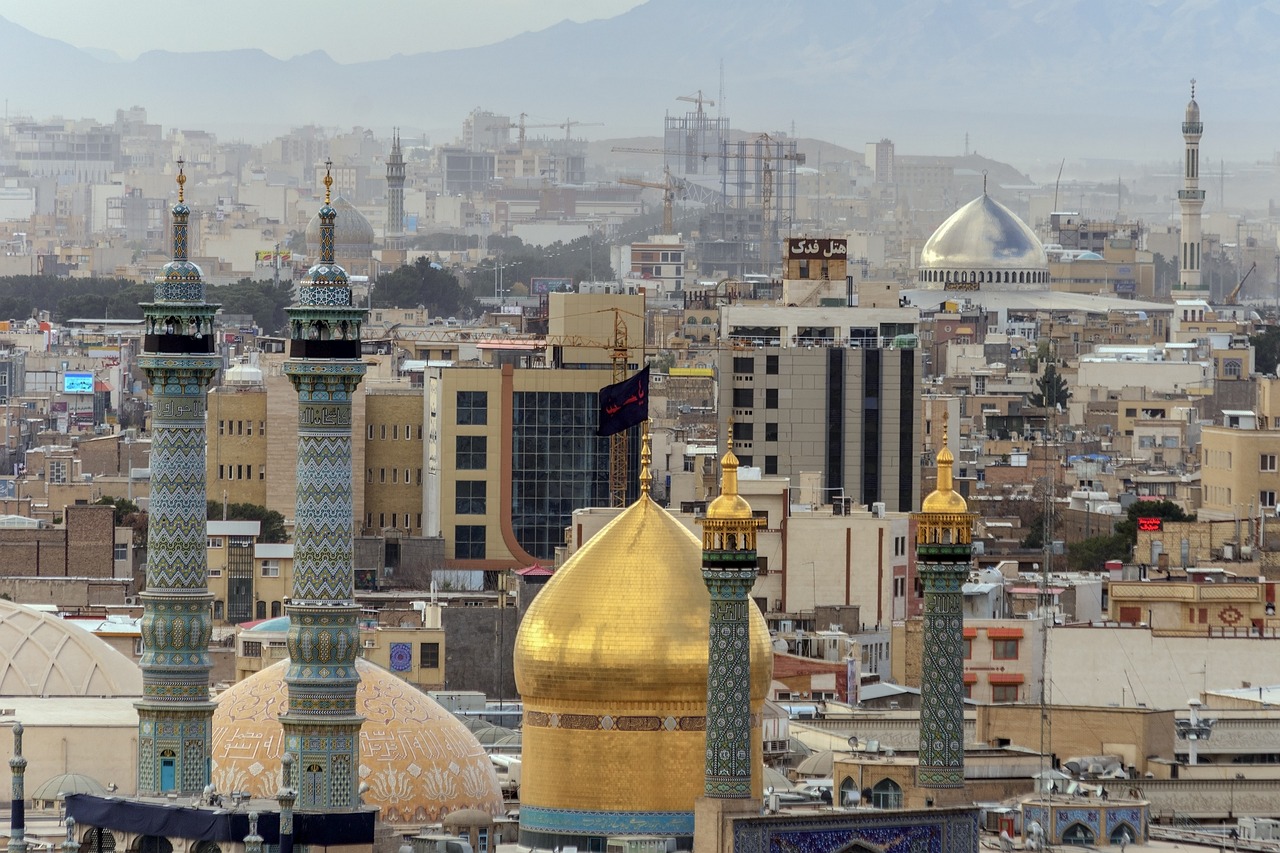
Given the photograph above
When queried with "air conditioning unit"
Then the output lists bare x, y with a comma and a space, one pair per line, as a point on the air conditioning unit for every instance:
132, 600
877, 509
370, 644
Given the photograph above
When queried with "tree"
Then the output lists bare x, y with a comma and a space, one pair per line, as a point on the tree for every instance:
1266, 345
262, 299
427, 284
272, 529
127, 514
123, 507
1090, 554
1053, 391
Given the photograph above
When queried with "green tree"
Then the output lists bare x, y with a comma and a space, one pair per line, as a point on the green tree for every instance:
1266, 345
427, 284
272, 529
264, 300
123, 507
1052, 389
1089, 555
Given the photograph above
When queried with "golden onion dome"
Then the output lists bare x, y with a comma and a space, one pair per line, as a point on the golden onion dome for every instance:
626, 619
420, 762
944, 499
729, 504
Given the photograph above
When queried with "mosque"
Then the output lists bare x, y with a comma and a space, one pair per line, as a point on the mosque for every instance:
643, 664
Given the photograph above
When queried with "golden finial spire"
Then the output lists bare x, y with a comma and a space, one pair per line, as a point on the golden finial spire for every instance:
646, 457
328, 179
182, 178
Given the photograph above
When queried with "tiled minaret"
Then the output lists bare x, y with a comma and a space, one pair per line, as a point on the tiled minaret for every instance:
729, 568
18, 796
321, 726
394, 239
175, 715
944, 532
1191, 200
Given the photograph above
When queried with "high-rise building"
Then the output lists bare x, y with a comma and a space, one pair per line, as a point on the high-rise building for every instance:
1191, 200
322, 727
175, 716
848, 412
944, 549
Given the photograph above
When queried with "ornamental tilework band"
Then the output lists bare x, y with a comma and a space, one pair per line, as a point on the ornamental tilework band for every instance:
942, 676
615, 722
595, 823
728, 747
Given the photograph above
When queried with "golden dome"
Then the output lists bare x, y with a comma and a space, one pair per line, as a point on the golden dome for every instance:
419, 761
611, 662
944, 499
626, 619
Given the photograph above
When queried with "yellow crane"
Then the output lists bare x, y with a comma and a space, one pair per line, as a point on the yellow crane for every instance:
668, 186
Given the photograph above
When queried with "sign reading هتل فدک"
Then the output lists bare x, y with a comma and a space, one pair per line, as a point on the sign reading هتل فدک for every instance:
803, 248
1151, 524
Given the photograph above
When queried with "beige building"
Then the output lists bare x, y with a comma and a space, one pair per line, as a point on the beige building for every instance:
1210, 607
1003, 659
236, 461
1239, 474
393, 460
232, 579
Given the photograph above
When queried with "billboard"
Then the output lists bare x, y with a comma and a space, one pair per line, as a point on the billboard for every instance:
77, 383
811, 248
550, 285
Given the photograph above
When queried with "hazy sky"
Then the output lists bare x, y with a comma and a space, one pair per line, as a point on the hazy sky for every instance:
349, 31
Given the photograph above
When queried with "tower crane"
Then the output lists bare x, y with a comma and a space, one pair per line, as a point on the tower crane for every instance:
668, 186
522, 126
697, 98
1233, 298
768, 230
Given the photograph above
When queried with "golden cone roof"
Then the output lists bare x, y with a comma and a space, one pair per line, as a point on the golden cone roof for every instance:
420, 762
729, 504
944, 499
626, 619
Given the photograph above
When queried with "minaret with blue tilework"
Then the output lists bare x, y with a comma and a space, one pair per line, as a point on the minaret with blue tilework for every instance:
17, 795
175, 716
729, 568
944, 551
321, 726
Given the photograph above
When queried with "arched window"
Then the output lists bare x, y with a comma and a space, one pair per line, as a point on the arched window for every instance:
1123, 832
260, 611
849, 794
1078, 833
152, 844
98, 840
275, 609
886, 794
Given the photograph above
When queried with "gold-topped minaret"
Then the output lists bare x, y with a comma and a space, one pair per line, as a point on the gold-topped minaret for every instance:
944, 549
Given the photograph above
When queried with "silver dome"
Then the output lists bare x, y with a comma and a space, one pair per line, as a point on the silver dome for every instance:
984, 243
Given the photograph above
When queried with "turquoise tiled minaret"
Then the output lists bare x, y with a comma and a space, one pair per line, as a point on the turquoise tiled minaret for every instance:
175, 715
729, 567
17, 796
944, 549
321, 726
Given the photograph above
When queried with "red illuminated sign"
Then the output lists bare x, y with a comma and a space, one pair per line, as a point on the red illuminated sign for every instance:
1151, 524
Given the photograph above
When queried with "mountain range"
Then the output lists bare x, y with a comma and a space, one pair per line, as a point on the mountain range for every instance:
1030, 81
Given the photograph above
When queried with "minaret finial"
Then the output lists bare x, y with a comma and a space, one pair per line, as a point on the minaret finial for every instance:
646, 457
182, 178
1193, 88
729, 438
984, 181
328, 179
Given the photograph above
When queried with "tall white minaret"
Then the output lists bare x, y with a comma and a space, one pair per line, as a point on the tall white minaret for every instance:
1191, 199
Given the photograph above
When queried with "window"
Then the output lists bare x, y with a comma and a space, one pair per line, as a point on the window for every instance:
886, 794
745, 431
771, 398
1267, 498
771, 365
121, 551
744, 364
57, 470
468, 542
968, 648
220, 472
743, 398
217, 610
1004, 693
472, 453
771, 465
770, 432
469, 497
1004, 649
213, 542
382, 432
382, 475
368, 475
271, 568
222, 427
215, 573
395, 432
473, 408
429, 655
1267, 462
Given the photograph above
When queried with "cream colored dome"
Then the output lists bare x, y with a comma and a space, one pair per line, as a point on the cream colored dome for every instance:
984, 246
420, 762
352, 233
42, 655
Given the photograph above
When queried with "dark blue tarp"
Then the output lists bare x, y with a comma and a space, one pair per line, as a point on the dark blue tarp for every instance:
203, 824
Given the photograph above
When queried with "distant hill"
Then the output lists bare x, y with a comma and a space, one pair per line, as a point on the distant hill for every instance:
1030, 82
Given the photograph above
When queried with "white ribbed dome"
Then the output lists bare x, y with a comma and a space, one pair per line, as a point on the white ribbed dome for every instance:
42, 655
984, 246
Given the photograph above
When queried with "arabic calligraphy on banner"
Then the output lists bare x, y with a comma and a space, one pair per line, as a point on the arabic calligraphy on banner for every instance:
804, 248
